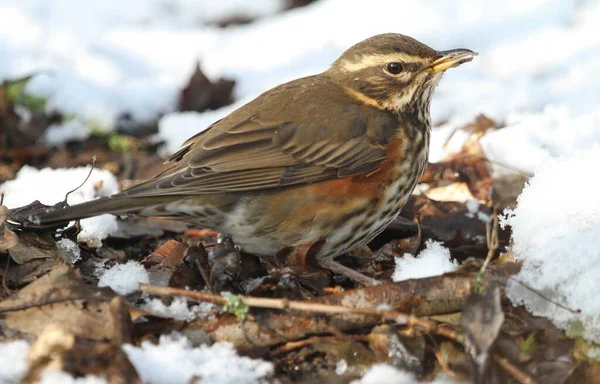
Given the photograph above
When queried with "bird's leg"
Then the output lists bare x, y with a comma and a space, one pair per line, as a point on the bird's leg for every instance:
341, 269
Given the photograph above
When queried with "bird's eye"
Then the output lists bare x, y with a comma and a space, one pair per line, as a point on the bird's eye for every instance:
394, 68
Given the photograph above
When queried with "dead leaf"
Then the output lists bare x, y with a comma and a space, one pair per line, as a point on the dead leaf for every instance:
404, 351
8, 240
57, 349
33, 245
481, 321
458, 191
470, 169
481, 125
169, 254
60, 297
19, 275
201, 94
462, 231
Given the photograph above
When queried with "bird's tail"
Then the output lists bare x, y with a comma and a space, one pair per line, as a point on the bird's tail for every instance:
118, 205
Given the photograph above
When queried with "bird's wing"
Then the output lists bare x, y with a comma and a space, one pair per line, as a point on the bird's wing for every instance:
286, 136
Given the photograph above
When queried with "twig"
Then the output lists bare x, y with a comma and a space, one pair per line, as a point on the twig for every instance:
23, 307
544, 297
293, 345
514, 371
491, 235
84, 181
440, 359
285, 304
4, 278
494, 162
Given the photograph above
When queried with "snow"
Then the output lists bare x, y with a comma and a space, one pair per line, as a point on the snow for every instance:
341, 367
531, 139
58, 134
103, 60
124, 278
387, 374
177, 309
174, 360
13, 360
556, 233
50, 186
69, 250
536, 75
473, 211
432, 261
60, 377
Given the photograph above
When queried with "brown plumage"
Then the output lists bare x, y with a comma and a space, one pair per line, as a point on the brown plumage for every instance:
328, 157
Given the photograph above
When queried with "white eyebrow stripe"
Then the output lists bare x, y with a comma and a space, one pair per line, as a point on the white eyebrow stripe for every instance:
368, 61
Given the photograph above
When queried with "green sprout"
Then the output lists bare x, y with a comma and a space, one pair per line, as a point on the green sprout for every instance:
235, 305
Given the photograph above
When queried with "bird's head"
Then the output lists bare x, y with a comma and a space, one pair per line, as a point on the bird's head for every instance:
395, 72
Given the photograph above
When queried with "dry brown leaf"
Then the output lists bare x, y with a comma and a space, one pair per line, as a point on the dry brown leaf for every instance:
8, 240
169, 254
403, 350
57, 349
19, 275
201, 94
458, 191
481, 321
60, 297
33, 245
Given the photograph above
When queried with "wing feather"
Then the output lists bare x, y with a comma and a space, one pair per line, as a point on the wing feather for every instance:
284, 137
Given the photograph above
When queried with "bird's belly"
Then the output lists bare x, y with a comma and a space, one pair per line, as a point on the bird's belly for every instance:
267, 223
361, 229
346, 213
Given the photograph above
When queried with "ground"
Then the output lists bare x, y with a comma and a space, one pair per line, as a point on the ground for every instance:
511, 180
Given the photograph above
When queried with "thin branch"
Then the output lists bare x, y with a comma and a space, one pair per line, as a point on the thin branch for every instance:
491, 235
294, 345
23, 307
5, 278
440, 359
285, 304
544, 297
84, 181
514, 371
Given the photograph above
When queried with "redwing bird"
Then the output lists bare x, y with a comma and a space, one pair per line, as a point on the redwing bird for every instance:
329, 158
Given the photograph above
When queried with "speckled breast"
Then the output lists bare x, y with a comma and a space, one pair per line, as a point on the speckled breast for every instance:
395, 184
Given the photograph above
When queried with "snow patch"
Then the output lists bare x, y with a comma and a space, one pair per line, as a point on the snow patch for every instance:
71, 130
556, 233
178, 309
50, 186
387, 374
432, 261
60, 377
13, 360
68, 250
125, 278
174, 360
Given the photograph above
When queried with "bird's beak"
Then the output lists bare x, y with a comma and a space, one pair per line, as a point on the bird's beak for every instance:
450, 59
